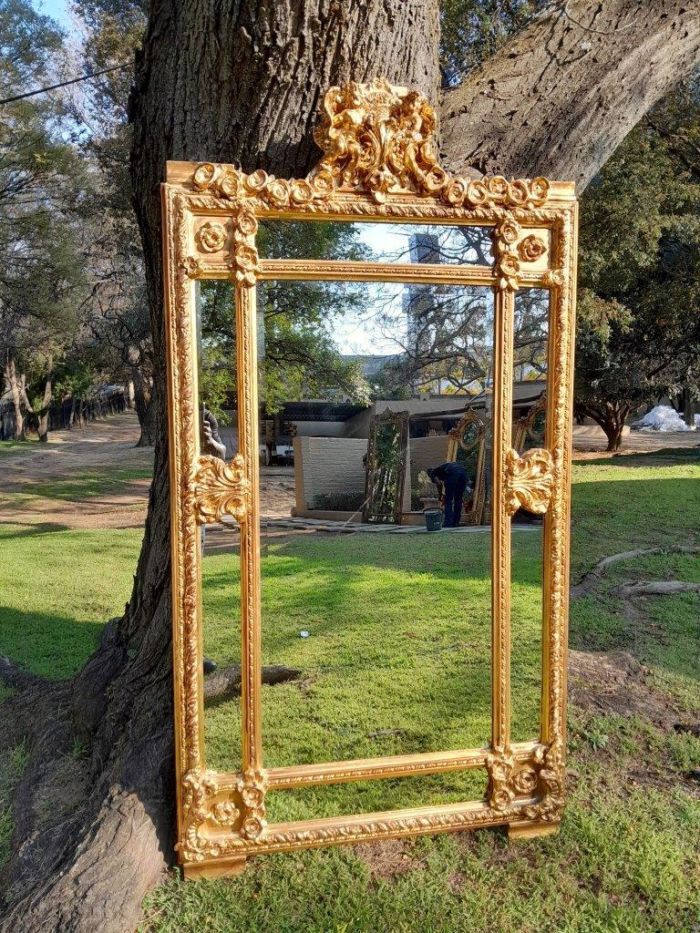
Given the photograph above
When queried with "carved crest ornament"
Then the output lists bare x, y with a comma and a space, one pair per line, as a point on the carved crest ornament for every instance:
379, 162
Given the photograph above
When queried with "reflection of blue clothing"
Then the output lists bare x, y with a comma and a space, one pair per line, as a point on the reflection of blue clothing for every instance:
454, 478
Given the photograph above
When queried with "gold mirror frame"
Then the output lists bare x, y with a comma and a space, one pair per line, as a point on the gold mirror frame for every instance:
523, 426
398, 420
456, 442
379, 164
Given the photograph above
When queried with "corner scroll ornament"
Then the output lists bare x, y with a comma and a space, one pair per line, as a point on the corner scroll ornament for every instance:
220, 489
539, 779
529, 481
200, 789
549, 768
377, 139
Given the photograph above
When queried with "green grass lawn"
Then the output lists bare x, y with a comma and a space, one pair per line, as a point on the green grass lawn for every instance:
395, 662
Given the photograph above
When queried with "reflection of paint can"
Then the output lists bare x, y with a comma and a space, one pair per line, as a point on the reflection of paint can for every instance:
433, 519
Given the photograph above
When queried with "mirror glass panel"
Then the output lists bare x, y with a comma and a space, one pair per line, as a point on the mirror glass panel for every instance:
375, 631
529, 431
220, 544
375, 242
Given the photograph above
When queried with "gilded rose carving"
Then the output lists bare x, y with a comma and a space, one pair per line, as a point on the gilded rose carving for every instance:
211, 237
531, 248
529, 481
500, 792
251, 787
220, 489
507, 263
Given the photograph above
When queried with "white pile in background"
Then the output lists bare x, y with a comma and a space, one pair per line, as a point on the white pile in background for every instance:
663, 418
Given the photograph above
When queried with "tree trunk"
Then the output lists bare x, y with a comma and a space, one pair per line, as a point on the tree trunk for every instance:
43, 427
255, 73
144, 402
562, 95
241, 82
13, 384
611, 418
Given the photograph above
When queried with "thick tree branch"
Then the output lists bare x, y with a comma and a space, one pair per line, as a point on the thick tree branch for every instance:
560, 97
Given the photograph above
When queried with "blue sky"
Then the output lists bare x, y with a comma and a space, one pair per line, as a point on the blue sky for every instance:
58, 9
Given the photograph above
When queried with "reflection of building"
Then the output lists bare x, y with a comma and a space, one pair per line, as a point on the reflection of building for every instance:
329, 451
417, 299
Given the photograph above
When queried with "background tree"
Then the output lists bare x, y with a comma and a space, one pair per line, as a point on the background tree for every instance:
638, 335
241, 81
41, 189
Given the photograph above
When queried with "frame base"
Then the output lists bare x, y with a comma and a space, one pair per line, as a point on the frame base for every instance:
520, 831
221, 868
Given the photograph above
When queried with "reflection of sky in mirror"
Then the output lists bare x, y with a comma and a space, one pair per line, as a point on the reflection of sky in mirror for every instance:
385, 324
426, 243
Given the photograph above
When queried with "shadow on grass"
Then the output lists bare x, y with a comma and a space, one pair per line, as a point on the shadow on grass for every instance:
669, 455
31, 530
50, 645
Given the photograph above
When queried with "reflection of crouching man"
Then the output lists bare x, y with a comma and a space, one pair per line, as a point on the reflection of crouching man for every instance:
452, 478
210, 443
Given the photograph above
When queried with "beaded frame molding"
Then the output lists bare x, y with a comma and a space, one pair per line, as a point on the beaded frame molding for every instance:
379, 164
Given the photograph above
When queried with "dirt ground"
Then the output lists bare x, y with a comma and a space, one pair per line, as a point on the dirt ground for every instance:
96, 449
106, 445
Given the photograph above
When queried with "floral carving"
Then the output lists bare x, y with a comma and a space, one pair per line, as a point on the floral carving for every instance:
525, 780
220, 489
549, 763
251, 787
500, 792
200, 788
191, 267
211, 237
507, 264
245, 252
529, 481
531, 248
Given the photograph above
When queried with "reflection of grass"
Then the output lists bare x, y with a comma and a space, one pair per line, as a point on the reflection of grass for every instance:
398, 659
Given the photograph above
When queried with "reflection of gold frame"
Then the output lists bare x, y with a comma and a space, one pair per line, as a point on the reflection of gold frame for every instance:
475, 513
523, 426
379, 164
399, 419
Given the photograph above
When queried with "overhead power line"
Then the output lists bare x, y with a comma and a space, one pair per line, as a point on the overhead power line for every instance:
53, 87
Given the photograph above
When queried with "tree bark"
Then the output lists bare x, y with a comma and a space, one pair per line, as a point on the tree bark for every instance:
241, 82
562, 95
145, 405
235, 81
611, 418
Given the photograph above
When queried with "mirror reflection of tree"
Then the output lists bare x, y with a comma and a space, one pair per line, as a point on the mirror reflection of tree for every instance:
385, 467
445, 337
299, 357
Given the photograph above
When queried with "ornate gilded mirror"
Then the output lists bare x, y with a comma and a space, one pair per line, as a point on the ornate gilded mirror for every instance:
342, 673
468, 447
386, 467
